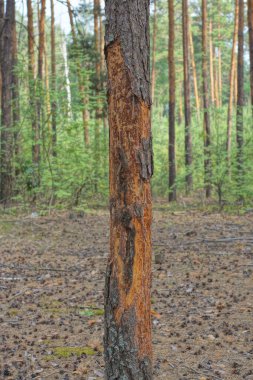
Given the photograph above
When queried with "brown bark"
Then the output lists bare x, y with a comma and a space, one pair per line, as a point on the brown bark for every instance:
231, 84
153, 71
240, 92
82, 92
207, 126
250, 24
6, 185
127, 338
31, 79
211, 62
219, 57
172, 103
53, 80
47, 87
15, 96
194, 73
187, 97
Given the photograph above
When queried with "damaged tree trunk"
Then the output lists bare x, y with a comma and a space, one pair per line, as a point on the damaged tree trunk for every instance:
127, 341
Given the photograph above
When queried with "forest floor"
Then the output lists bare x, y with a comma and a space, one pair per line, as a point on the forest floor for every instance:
51, 303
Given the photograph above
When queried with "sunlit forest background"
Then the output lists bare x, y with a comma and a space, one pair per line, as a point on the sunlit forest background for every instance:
69, 87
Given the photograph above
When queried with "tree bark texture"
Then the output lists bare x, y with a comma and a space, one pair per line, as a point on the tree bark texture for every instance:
172, 104
194, 73
240, 91
6, 185
127, 341
207, 126
187, 97
1, 42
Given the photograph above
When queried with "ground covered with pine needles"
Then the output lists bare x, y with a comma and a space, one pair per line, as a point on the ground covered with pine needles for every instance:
51, 286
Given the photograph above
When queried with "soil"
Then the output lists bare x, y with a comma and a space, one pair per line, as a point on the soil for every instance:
51, 286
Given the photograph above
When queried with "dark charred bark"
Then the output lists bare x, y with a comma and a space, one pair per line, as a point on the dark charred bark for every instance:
6, 185
207, 126
187, 97
53, 81
250, 24
240, 93
127, 341
172, 104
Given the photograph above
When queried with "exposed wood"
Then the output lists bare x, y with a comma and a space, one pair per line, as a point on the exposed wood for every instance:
187, 97
207, 125
128, 351
172, 103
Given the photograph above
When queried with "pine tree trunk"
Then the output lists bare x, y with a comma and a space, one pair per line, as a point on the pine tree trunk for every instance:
250, 24
53, 80
172, 103
47, 86
211, 62
31, 79
6, 185
207, 126
128, 351
15, 97
153, 72
187, 97
231, 84
66, 71
194, 73
240, 93
82, 93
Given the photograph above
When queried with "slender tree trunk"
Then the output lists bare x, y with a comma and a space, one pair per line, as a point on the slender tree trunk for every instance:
96, 10
194, 73
47, 86
31, 79
6, 183
153, 72
219, 56
187, 97
207, 126
66, 70
82, 92
211, 62
172, 103
101, 33
53, 81
250, 24
240, 94
216, 79
15, 97
232, 85
128, 350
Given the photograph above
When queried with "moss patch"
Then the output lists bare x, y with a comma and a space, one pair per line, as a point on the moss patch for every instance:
66, 352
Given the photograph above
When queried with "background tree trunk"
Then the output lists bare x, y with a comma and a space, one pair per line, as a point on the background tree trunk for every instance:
250, 24
153, 72
172, 104
53, 80
240, 94
83, 96
207, 127
127, 338
1, 42
211, 62
194, 73
187, 95
231, 84
6, 185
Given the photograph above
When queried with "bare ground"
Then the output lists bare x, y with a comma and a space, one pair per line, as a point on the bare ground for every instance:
51, 287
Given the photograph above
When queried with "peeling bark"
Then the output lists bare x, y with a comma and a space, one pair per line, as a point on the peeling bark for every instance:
127, 341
